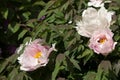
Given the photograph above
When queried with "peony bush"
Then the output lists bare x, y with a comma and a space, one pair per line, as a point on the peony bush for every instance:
60, 40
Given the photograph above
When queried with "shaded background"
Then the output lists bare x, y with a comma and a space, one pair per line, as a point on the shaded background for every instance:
21, 20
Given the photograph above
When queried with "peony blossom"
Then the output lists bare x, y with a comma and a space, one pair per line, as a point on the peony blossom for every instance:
102, 42
34, 55
96, 3
93, 20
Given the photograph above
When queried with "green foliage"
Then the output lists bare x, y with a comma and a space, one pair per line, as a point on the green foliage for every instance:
54, 22
15, 28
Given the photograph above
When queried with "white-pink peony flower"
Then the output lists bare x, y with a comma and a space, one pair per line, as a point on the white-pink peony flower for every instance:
35, 55
102, 42
92, 20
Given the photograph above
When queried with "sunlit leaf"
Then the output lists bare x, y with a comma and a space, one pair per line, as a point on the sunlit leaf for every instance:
21, 35
26, 39
30, 24
6, 14
26, 15
14, 28
87, 54
99, 75
42, 13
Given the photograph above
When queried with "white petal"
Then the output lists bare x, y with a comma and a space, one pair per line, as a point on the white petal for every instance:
19, 49
93, 20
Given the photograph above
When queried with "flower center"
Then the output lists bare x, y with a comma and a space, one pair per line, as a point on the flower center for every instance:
38, 55
102, 40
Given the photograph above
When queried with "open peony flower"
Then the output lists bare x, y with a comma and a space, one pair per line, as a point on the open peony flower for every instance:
35, 55
93, 20
96, 3
102, 42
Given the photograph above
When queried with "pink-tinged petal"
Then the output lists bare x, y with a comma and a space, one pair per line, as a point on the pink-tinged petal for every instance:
102, 42
52, 49
114, 45
37, 41
27, 61
43, 61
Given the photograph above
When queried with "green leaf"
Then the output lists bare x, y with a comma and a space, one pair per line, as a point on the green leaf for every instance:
60, 58
69, 33
67, 53
27, 77
75, 63
5, 14
80, 48
49, 4
30, 24
65, 6
99, 75
117, 37
41, 3
13, 58
21, 35
26, 39
116, 67
59, 14
51, 19
14, 28
70, 43
87, 54
105, 65
56, 70
90, 76
39, 28
20, 76
119, 19
26, 15
13, 74
103, 70
58, 21
3, 65
42, 13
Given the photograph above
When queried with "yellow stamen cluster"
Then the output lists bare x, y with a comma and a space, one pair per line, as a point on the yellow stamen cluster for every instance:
38, 55
102, 40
